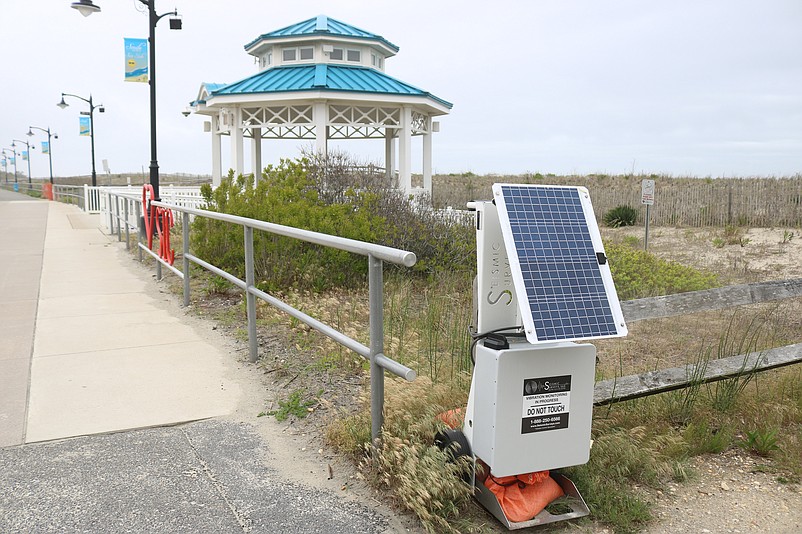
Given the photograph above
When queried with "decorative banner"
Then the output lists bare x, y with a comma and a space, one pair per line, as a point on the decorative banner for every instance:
24, 155
12, 160
84, 127
136, 60
45, 147
3, 162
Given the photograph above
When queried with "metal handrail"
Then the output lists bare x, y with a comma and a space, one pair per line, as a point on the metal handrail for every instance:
375, 254
393, 255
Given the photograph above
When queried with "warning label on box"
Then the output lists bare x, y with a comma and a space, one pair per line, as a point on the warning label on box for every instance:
546, 403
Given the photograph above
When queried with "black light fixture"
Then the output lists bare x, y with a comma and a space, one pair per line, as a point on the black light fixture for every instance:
86, 7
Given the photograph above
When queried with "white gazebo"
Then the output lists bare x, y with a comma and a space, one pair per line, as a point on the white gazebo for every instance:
321, 79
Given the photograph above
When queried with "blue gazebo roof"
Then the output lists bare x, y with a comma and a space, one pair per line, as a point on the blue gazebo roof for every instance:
323, 77
322, 26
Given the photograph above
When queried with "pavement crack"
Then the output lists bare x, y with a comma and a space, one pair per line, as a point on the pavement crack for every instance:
242, 519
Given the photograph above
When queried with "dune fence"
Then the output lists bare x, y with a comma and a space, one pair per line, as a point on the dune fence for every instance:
756, 202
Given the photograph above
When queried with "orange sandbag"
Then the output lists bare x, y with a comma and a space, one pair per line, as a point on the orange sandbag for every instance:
452, 418
522, 497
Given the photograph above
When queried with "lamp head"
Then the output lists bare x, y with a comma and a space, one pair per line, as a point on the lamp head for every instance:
30, 132
85, 7
62, 104
175, 23
13, 145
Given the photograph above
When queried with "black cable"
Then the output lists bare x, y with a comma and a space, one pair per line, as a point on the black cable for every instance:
478, 337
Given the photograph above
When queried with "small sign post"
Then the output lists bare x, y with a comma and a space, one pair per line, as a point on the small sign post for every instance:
647, 197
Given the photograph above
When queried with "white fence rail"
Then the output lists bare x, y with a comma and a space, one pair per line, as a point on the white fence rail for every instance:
118, 206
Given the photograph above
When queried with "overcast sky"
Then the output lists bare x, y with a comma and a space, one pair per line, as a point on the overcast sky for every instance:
705, 88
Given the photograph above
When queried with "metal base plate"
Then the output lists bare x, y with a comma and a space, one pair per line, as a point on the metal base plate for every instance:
572, 499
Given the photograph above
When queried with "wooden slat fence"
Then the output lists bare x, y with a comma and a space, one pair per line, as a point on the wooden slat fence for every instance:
757, 202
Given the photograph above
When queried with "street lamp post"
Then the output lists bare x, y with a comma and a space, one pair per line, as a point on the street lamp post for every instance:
14, 159
86, 8
49, 145
5, 162
92, 108
28, 146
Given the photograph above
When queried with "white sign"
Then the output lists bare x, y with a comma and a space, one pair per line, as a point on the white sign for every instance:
546, 403
647, 192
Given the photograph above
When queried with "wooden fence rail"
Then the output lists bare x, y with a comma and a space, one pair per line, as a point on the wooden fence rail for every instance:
710, 299
654, 382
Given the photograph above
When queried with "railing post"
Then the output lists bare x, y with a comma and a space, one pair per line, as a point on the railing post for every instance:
185, 251
139, 229
127, 225
111, 213
250, 298
117, 216
85, 205
375, 281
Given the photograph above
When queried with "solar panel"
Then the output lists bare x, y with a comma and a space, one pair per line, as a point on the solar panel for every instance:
560, 274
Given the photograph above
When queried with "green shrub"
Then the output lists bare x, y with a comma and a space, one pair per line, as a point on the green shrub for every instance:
322, 196
285, 196
622, 215
639, 274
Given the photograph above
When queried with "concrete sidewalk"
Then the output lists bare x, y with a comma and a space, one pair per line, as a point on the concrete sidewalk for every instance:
104, 357
23, 222
102, 385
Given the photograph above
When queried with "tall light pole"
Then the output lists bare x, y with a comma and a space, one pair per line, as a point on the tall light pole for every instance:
14, 161
92, 108
28, 146
5, 162
49, 145
86, 8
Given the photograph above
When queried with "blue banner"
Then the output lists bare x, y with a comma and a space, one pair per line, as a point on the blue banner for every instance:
45, 147
24, 155
136, 60
84, 127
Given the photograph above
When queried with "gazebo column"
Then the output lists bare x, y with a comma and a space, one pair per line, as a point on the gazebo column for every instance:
320, 116
389, 154
256, 153
217, 156
427, 157
405, 150
237, 153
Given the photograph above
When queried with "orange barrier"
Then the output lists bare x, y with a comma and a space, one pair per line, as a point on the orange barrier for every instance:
47, 191
159, 220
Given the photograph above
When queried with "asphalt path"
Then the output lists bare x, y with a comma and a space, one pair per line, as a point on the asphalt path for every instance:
208, 476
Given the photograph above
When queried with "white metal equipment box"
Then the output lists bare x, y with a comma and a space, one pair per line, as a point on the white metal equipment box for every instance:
540, 417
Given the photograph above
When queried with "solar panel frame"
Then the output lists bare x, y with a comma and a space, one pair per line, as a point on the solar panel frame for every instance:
553, 243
